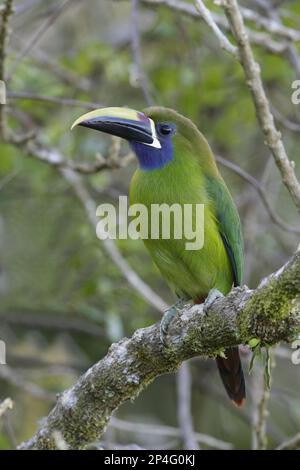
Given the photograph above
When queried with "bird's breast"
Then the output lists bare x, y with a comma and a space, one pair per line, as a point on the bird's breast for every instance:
191, 273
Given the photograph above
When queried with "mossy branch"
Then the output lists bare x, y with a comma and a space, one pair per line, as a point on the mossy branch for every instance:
270, 313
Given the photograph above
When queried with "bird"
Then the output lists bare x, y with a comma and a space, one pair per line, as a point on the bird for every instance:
177, 165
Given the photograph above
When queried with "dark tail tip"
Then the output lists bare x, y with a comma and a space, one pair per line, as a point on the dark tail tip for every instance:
239, 403
231, 372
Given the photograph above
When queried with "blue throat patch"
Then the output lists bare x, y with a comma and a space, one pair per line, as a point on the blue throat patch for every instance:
151, 158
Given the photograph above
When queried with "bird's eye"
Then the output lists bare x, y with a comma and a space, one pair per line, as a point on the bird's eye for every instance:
166, 129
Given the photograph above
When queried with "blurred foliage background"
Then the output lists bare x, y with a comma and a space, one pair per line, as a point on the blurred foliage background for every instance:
63, 300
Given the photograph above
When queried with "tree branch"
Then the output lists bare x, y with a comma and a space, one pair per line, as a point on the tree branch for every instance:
261, 393
257, 38
28, 95
223, 40
38, 34
253, 79
261, 191
138, 72
5, 405
55, 159
291, 444
270, 313
184, 414
271, 25
164, 431
6, 14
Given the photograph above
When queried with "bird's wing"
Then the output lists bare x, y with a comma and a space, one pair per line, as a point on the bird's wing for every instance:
229, 224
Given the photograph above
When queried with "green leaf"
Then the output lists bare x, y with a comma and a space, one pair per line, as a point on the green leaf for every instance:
253, 342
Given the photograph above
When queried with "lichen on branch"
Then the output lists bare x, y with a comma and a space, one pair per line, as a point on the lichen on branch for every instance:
270, 313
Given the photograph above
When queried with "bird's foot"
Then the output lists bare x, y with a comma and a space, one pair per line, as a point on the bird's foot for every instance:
212, 296
167, 320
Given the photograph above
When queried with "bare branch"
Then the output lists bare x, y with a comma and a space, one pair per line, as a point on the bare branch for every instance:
8, 178
5, 405
161, 430
287, 123
140, 76
261, 192
272, 26
258, 38
261, 435
260, 426
38, 35
27, 95
185, 420
223, 40
40, 58
291, 52
270, 313
253, 79
53, 321
290, 444
54, 158
17, 380
6, 14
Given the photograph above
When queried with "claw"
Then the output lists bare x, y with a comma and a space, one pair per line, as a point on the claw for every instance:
212, 296
167, 320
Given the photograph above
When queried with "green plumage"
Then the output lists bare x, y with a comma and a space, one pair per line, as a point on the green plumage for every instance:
183, 171
192, 177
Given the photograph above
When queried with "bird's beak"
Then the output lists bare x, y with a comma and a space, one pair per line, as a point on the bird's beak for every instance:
122, 122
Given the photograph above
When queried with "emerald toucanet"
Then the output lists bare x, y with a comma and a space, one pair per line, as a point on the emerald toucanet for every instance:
176, 165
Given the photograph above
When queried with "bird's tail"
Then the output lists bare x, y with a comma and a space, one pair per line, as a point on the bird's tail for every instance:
232, 376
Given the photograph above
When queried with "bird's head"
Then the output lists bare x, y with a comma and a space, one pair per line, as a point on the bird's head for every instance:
153, 134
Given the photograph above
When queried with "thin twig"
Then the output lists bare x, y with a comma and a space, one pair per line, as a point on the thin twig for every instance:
5, 405
261, 192
26, 5
16, 379
261, 435
39, 58
160, 430
185, 419
139, 73
291, 51
272, 26
290, 444
27, 95
10, 431
38, 35
262, 413
253, 79
54, 158
223, 40
258, 38
5, 14
287, 123
53, 321
8, 178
